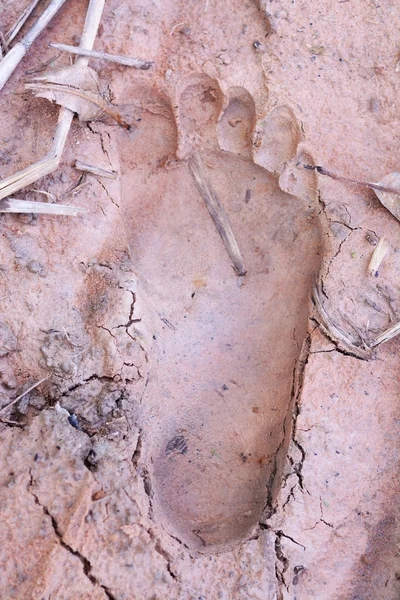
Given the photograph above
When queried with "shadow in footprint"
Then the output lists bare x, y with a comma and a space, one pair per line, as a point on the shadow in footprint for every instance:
236, 125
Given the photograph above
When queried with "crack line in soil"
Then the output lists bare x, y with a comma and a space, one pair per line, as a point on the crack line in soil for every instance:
337, 348
107, 192
86, 564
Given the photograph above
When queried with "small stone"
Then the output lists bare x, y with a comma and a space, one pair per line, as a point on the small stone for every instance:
36, 267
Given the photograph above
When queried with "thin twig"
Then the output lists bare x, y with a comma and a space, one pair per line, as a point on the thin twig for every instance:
81, 166
374, 186
35, 385
175, 27
4, 42
50, 162
42, 65
136, 63
217, 213
48, 194
20, 22
17, 53
75, 188
15, 205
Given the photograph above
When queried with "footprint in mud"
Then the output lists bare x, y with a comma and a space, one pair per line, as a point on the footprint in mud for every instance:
217, 411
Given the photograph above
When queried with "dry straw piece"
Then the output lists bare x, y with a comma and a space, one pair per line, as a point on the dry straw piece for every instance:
387, 335
17, 53
18, 398
378, 256
81, 166
20, 22
128, 61
217, 212
14, 205
50, 162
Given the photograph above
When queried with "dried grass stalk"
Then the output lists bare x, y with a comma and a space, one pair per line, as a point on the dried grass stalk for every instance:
50, 162
387, 335
136, 63
14, 205
378, 256
81, 166
335, 333
382, 186
18, 398
20, 22
16, 54
217, 212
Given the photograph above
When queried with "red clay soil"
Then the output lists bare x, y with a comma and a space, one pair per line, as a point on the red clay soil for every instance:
201, 434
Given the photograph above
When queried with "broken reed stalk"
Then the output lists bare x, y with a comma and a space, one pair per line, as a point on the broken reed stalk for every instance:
387, 335
10, 404
136, 63
50, 162
217, 212
17, 53
20, 22
14, 205
374, 186
42, 65
81, 166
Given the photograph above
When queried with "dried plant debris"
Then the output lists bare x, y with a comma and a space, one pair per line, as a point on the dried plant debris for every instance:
382, 186
340, 338
44, 65
19, 23
17, 53
94, 170
14, 205
78, 89
18, 398
50, 162
378, 256
217, 212
390, 199
128, 61
387, 335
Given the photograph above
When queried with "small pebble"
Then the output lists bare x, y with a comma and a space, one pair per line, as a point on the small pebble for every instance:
36, 267
73, 420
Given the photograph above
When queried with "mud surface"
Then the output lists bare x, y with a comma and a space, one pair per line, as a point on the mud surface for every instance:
156, 415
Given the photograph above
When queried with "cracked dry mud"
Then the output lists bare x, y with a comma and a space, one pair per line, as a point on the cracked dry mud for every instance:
170, 363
